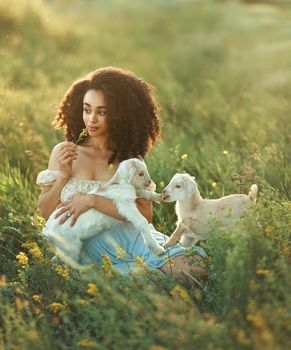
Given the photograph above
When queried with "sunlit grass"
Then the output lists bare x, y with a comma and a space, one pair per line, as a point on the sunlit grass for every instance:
222, 76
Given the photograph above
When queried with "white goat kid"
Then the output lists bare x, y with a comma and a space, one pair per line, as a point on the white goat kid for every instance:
129, 182
195, 213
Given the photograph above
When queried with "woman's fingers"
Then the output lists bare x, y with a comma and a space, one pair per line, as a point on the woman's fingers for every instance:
75, 217
61, 211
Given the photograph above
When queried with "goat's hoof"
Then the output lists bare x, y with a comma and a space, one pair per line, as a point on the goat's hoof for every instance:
168, 245
157, 198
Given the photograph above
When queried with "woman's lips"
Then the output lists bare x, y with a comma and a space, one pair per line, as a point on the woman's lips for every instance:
93, 129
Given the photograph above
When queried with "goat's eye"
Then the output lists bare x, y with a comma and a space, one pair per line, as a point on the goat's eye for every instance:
141, 174
178, 186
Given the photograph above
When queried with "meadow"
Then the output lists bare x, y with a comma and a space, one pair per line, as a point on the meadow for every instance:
221, 71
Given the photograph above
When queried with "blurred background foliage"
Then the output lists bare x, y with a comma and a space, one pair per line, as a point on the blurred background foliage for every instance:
221, 71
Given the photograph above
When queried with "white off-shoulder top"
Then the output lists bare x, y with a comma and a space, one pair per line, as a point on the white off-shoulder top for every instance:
73, 186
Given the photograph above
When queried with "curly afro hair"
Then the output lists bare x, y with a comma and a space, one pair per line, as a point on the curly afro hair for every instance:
133, 121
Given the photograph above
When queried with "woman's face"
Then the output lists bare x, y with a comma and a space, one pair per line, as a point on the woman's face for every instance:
95, 113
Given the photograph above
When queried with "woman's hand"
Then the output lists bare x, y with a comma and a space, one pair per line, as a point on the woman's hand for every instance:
65, 157
74, 206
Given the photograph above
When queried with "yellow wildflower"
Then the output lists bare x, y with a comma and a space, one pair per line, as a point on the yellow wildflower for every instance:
213, 184
3, 281
121, 252
22, 259
57, 307
157, 347
92, 289
140, 261
180, 292
34, 250
263, 272
87, 343
168, 260
269, 230
82, 302
256, 319
21, 303
107, 265
62, 271
225, 152
37, 298
184, 156
241, 337
286, 250
162, 184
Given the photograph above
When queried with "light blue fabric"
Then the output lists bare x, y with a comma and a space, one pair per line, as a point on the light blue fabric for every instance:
131, 241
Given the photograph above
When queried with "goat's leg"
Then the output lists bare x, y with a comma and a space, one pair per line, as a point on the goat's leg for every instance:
149, 195
176, 235
139, 221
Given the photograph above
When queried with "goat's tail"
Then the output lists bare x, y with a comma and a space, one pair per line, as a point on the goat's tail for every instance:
253, 193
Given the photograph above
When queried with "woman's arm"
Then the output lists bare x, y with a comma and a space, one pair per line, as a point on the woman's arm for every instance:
106, 206
61, 159
49, 197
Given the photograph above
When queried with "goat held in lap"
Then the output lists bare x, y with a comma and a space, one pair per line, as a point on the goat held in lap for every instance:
129, 182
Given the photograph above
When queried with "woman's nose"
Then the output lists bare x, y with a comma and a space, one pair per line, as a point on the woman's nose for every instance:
93, 117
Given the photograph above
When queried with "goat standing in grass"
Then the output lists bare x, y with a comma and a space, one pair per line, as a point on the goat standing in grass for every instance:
195, 213
129, 182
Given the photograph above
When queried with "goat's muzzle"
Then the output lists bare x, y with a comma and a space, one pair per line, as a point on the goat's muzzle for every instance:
165, 196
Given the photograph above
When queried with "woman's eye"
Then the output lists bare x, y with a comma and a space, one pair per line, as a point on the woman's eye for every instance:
102, 113
86, 111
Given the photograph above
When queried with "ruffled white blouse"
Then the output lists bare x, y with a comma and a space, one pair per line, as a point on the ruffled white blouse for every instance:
73, 186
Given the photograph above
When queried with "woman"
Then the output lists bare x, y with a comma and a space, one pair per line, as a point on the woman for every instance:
121, 117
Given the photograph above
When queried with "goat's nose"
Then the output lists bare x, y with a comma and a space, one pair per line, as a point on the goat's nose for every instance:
165, 196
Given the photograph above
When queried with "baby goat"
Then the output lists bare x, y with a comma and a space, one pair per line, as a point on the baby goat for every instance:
129, 182
195, 213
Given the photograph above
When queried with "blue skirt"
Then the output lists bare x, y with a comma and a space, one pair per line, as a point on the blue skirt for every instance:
132, 244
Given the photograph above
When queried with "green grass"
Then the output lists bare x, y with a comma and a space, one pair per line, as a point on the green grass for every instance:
222, 75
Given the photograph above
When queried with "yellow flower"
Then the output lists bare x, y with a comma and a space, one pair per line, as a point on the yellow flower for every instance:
157, 347
241, 337
213, 184
162, 184
57, 307
256, 319
263, 272
269, 230
34, 250
37, 298
286, 250
140, 261
62, 271
168, 260
21, 303
3, 281
225, 152
180, 292
22, 259
86, 343
92, 289
184, 156
121, 252
107, 265
84, 133
82, 301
